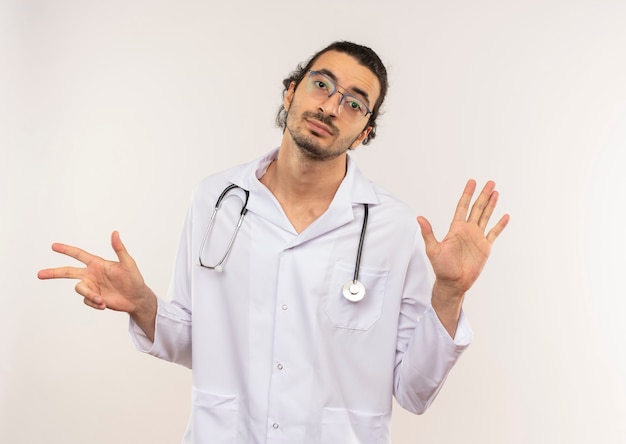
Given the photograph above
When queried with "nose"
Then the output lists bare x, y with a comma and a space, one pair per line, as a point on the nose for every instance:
330, 105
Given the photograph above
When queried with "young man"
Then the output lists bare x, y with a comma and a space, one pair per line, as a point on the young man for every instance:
303, 323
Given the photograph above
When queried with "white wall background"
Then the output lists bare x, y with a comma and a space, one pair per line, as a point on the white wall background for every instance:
111, 112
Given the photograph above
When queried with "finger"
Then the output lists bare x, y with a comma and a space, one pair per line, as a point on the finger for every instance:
427, 232
61, 273
120, 249
464, 202
498, 228
91, 297
74, 252
482, 202
488, 211
93, 305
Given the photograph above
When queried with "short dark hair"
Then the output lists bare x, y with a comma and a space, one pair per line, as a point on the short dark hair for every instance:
365, 56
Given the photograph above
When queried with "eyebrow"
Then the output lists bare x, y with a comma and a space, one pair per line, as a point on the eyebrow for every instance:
357, 90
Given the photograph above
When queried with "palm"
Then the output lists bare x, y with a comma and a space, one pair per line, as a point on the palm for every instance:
460, 257
114, 282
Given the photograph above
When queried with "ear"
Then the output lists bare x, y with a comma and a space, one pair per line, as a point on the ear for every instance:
361, 137
289, 95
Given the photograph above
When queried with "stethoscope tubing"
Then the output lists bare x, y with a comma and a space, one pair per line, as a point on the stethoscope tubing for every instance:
353, 290
218, 267
357, 265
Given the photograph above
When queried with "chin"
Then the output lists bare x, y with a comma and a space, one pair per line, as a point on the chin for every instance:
309, 145
312, 151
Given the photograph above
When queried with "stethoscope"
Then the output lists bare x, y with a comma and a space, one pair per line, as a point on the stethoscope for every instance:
353, 290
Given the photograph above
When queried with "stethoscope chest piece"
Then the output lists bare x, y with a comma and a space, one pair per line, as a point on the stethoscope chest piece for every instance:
353, 291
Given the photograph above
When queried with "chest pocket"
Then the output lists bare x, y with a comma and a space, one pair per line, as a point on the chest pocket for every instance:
356, 315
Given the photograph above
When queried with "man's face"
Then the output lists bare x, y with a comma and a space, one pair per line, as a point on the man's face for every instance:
317, 126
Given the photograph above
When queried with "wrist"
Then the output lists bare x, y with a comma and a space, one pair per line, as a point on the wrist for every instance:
447, 293
144, 313
447, 302
145, 304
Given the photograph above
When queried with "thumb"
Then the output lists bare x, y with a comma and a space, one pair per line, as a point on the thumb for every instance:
120, 249
427, 232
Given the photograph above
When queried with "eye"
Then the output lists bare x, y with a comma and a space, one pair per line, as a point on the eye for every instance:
319, 84
354, 105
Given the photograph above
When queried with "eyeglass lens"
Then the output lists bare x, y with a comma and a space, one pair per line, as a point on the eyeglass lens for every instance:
321, 86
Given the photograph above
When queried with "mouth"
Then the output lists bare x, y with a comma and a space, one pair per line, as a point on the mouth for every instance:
318, 127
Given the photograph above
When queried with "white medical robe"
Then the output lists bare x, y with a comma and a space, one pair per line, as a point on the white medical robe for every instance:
278, 355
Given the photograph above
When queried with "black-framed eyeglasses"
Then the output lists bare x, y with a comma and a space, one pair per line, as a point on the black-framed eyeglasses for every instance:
321, 86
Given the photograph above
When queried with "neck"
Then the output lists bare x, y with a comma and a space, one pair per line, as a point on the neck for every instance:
304, 187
